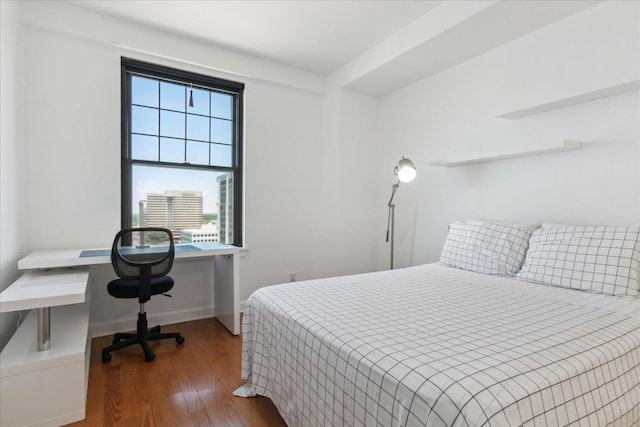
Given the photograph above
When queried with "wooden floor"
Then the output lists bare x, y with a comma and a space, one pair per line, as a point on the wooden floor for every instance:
186, 385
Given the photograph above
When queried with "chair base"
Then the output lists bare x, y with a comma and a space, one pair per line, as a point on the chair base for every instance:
142, 337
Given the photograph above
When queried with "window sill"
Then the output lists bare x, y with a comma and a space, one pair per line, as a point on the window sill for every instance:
243, 251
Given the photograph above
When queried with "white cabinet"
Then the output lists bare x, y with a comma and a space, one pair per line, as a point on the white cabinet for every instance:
46, 388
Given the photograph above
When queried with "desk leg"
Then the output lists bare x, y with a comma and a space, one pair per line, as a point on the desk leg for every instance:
226, 274
44, 328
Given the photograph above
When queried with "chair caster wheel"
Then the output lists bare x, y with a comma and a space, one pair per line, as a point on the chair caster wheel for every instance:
106, 357
180, 340
149, 356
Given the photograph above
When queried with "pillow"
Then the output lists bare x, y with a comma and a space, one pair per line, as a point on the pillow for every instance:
485, 247
554, 224
527, 226
599, 259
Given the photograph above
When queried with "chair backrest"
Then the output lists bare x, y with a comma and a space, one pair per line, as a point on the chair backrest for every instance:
142, 253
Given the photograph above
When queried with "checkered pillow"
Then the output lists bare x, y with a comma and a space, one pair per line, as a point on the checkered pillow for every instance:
599, 259
485, 247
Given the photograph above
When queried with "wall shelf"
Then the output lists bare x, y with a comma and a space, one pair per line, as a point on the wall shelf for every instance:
573, 100
566, 145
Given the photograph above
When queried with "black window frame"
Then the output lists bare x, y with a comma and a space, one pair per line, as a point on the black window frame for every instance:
131, 67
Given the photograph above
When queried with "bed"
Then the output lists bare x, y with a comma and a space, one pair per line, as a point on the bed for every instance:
435, 345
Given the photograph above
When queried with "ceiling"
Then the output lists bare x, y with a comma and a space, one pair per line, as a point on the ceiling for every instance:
373, 46
317, 36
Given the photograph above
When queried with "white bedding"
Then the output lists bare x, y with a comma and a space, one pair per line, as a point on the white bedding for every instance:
436, 346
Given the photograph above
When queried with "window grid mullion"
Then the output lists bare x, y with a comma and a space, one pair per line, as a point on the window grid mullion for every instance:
185, 124
177, 138
209, 123
183, 166
178, 111
159, 123
234, 135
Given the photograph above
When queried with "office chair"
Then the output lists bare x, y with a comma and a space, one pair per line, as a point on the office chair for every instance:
143, 272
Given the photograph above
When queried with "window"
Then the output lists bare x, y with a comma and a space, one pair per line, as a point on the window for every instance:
181, 153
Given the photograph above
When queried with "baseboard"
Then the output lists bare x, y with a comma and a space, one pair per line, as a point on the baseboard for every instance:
62, 420
120, 325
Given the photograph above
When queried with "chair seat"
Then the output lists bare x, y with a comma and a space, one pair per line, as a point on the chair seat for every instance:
121, 288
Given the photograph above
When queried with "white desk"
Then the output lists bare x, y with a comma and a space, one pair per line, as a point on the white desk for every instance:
30, 379
225, 268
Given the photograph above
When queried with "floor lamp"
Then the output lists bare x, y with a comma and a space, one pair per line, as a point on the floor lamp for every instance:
405, 170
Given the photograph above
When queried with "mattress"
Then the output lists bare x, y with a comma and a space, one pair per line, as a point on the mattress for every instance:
436, 346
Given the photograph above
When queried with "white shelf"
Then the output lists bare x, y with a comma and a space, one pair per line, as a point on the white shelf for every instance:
573, 100
566, 145
42, 288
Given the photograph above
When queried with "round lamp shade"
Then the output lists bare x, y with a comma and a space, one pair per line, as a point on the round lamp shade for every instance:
405, 170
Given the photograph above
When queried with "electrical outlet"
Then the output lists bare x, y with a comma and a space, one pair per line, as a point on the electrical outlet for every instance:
292, 277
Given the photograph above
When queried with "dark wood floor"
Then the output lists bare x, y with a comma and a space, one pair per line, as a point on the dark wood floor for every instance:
186, 385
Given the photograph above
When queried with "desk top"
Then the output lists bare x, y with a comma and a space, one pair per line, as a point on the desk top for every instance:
37, 289
71, 257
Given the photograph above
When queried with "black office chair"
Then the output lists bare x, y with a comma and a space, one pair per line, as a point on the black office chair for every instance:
143, 272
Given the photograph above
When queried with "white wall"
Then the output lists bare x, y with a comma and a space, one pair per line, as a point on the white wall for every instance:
12, 182
355, 249
72, 97
317, 224
454, 112
284, 219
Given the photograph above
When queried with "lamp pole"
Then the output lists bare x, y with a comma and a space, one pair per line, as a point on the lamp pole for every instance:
391, 218
406, 172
